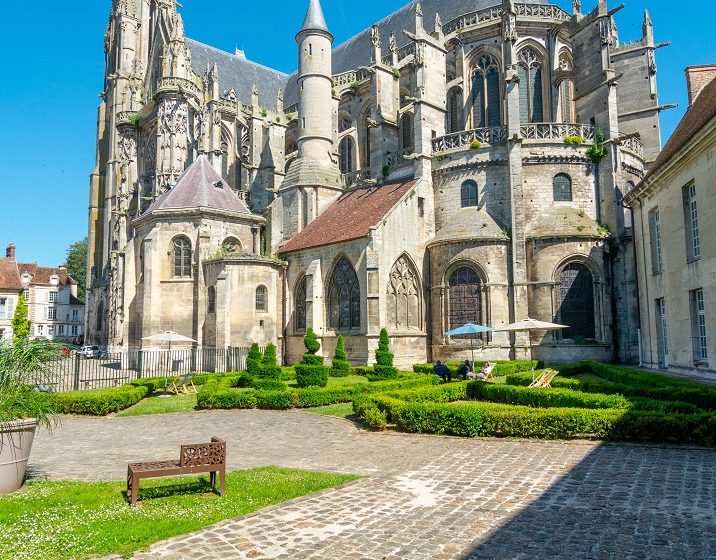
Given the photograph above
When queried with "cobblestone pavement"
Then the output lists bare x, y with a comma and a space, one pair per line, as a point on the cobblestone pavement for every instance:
422, 497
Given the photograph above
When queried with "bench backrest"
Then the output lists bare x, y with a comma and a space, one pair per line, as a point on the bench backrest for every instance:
203, 454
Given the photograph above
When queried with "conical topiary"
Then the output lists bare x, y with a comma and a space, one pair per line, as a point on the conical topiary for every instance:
340, 367
384, 359
253, 360
311, 372
269, 364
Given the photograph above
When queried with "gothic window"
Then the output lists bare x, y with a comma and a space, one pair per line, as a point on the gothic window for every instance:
100, 317
231, 245
344, 122
486, 93
366, 159
468, 194
406, 131
262, 299
345, 151
465, 298
211, 300
566, 100
300, 305
627, 211
576, 301
404, 296
344, 297
530, 72
454, 110
562, 184
182, 257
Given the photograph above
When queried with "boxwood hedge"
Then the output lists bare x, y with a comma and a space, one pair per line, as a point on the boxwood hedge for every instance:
100, 402
501, 369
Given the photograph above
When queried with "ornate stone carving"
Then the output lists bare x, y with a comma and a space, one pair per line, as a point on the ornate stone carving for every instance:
652, 61
606, 31
404, 301
393, 43
577, 6
509, 27
375, 36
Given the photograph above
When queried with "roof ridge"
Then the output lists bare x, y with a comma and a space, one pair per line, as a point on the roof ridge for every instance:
227, 53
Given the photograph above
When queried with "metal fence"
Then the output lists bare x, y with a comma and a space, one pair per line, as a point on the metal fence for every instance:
76, 373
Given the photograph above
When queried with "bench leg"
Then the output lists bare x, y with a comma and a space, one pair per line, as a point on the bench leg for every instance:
132, 488
212, 479
222, 473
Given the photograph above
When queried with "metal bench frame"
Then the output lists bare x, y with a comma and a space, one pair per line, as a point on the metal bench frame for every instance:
193, 459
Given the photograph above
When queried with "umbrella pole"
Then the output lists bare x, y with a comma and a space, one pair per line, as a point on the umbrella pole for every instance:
472, 351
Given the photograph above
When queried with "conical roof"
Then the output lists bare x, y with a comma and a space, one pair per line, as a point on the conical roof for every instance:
200, 187
314, 20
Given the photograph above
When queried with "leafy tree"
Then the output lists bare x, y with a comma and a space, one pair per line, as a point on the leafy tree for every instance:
20, 322
77, 266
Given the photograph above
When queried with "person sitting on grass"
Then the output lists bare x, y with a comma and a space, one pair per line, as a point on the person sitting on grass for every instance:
465, 369
443, 371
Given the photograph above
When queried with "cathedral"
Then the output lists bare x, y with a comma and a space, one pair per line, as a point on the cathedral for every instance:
460, 161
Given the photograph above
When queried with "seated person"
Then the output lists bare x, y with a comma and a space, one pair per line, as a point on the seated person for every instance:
443, 371
481, 375
465, 369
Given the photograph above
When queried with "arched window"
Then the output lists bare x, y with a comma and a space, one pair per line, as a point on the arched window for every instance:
100, 317
530, 72
182, 257
566, 100
344, 297
486, 93
468, 194
454, 100
300, 305
404, 301
406, 131
211, 300
262, 299
366, 159
231, 245
576, 301
344, 122
627, 211
562, 185
465, 298
345, 151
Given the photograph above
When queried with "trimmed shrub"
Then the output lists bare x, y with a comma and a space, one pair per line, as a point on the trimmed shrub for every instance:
100, 402
311, 372
311, 342
309, 398
340, 366
273, 400
384, 360
268, 385
220, 395
269, 364
364, 371
244, 381
288, 373
253, 360
369, 412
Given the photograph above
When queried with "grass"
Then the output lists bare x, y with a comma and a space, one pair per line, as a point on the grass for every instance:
590, 377
78, 520
159, 405
341, 410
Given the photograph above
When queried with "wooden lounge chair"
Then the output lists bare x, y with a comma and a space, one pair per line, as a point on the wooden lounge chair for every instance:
486, 370
183, 385
544, 381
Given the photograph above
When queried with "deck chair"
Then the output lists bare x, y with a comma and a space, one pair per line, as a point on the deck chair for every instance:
183, 385
547, 383
487, 370
537, 383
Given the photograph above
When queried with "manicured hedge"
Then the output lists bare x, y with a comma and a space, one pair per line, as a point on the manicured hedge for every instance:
502, 368
543, 398
311, 375
100, 402
472, 419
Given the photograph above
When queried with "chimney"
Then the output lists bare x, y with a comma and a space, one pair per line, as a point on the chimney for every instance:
697, 77
10, 251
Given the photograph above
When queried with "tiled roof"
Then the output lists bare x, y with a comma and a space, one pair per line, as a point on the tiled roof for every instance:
350, 217
699, 114
200, 187
41, 275
9, 275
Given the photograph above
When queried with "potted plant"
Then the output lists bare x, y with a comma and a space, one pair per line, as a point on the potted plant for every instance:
23, 367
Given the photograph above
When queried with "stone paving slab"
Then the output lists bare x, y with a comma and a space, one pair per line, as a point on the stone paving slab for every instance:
423, 497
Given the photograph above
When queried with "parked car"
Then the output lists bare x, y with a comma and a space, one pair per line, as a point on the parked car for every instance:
91, 352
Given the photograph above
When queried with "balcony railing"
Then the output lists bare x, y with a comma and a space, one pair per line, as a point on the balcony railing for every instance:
351, 77
634, 145
396, 159
556, 131
180, 85
539, 11
355, 177
491, 135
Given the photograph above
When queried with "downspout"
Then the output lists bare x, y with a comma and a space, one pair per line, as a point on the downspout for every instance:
284, 310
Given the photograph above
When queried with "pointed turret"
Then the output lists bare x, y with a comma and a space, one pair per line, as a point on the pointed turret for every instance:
648, 28
314, 20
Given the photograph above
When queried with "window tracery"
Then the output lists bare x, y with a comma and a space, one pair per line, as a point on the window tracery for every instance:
486, 109
344, 297
404, 301
530, 72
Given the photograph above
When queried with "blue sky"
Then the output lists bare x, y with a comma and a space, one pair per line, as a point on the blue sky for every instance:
52, 64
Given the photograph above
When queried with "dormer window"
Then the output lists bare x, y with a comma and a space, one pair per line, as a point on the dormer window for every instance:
26, 278
54, 280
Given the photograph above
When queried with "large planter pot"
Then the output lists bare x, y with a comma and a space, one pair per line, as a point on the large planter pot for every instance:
15, 444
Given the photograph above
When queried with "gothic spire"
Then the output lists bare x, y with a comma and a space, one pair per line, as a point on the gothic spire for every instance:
314, 20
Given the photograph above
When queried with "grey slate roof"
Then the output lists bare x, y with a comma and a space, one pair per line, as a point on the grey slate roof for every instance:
196, 190
314, 18
469, 224
562, 221
238, 73
356, 51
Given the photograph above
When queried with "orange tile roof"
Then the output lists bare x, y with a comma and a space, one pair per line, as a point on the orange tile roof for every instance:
9, 275
350, 217
41, 275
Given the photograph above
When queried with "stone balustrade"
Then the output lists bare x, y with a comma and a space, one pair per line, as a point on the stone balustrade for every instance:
355, 177
490, 135
633, 144
174, 84
396, 159
556, 132
125, 118
351, 77
538, 11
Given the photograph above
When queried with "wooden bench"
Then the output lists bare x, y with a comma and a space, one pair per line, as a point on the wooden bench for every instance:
115, 380
193, 459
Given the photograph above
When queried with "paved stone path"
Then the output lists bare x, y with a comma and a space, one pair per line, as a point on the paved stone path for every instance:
423, 497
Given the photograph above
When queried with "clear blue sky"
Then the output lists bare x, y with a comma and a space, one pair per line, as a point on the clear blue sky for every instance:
52, 64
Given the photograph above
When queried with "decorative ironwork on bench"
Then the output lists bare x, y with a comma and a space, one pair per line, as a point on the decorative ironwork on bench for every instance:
557, 131
490, 135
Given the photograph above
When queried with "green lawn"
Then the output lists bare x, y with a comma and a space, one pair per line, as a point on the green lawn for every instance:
162, 405
341, 410
76, 520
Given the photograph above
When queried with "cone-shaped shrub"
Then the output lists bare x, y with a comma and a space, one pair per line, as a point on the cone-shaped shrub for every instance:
269, 366
311, 372
253, 360
341, 367
384, 360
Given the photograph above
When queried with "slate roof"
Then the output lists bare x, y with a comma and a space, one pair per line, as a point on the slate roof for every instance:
314, 20
469, 224
350, 217
9, 275
698, 115
41, 275
196, 190
562, 221
238, 73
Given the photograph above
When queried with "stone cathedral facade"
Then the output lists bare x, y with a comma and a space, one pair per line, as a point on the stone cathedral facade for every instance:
460, 161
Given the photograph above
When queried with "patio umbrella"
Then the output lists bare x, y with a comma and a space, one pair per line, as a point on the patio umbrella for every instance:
470, 329
529, 325
168, 336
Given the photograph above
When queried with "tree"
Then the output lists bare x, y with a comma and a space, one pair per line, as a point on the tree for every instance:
20, 322
77, 266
